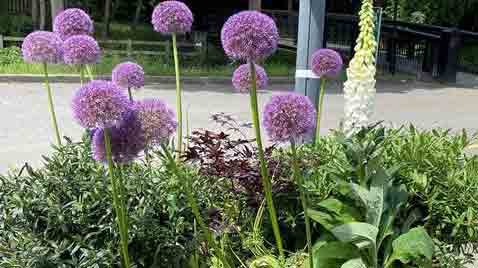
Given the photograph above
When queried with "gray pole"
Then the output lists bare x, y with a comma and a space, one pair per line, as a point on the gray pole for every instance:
311, 37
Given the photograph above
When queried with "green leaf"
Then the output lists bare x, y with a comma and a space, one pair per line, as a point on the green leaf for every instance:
333, 212
354, 263
265, 262
416, 246
356, 232
334, 254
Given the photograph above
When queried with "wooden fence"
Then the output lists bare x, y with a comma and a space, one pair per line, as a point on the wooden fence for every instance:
127, 47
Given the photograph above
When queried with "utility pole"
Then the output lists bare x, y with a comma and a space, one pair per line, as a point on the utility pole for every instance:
311, 37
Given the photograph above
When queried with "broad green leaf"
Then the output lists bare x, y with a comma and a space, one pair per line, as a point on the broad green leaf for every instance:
416, 246
333, 212
356, 232
354, 263
376, 197
265, 262
333, 254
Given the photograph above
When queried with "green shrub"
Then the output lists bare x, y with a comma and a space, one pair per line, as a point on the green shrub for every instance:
434, 167
61, 215
10, 55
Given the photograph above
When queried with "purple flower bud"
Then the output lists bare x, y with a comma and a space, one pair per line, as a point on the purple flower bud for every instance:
327, 63
249, 35
81, 49
241, 79
172, 17
99, 104
289, 118
72, 21
128, 75
42, 47
127, 140
158, 120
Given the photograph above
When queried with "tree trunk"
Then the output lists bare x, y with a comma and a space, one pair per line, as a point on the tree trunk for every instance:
35, 14
139, 7
42, 4
107, 19
57, 6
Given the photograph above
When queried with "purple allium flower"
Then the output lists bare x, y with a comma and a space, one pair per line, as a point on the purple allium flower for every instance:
72, 21
127, 140
327, 63
42, 47
99, 104
128, 75
172, 17
158, 120
241, 79
290, 117
81, 49
249, 35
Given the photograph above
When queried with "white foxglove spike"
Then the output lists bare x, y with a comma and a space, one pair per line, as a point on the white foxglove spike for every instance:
359, 89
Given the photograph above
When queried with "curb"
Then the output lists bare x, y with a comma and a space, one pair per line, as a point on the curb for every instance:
148, 79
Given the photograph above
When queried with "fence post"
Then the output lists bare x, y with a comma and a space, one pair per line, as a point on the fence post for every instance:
1, 41
448, 62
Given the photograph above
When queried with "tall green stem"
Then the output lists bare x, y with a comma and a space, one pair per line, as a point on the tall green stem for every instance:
82, 74
89, 72
117, 203
195, 208
323, 82
51, 106
130, 94
266, 181
303, 198
179, 107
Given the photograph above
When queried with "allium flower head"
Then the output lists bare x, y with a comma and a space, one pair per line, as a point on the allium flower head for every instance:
289, 118
128, 75
81, 49
99, 104
241, 78
327, 63
172, 17
72, 21
127, 140
249, 35
42, 47
158, 120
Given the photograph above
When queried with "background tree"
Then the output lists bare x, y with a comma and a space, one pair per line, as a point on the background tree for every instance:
107, 20
42, 8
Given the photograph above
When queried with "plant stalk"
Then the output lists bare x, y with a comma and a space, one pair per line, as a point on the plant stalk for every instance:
266, 181
323, 82
179, 107
195, 208
50, 105
117, 203
130, 94
89, 72
303, 198
82, 74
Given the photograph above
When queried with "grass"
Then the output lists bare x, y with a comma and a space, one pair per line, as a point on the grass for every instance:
152, 66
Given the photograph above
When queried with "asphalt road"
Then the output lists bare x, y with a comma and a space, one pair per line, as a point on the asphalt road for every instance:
26, 133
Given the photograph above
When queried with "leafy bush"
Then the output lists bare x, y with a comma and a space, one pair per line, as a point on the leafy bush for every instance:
10, 55
433, 165
61, 215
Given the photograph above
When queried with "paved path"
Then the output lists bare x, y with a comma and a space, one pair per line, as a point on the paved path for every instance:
25, 132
